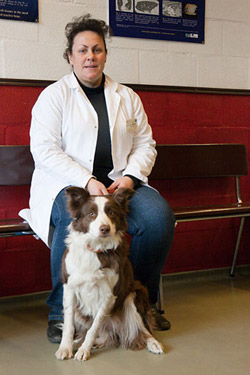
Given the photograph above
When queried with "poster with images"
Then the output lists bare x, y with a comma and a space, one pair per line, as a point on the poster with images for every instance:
19, 10
182, 20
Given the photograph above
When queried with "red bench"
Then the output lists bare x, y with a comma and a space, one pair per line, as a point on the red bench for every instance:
205, 161
173, 162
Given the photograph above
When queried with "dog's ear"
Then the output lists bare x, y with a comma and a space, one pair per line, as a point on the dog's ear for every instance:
122, 196
76, 197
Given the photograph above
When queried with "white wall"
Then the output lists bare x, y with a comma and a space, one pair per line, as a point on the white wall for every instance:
34, 51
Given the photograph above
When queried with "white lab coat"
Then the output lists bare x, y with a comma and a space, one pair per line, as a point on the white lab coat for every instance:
63, 134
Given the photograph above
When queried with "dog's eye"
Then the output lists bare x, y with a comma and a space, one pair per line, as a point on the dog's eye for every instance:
111, 213
91, 213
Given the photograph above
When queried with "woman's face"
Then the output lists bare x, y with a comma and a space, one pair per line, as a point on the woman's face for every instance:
88, 58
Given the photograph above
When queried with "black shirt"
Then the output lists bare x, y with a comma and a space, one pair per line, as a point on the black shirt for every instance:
103, 162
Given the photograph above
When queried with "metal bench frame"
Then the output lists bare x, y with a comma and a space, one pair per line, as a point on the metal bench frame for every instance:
195, 161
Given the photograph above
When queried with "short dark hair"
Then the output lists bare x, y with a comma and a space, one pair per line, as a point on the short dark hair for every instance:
84, 23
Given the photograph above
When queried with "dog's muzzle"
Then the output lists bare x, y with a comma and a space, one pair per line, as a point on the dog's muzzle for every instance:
104, 230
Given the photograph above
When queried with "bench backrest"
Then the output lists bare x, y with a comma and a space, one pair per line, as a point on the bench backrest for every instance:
200, 160
173, 161
16, 165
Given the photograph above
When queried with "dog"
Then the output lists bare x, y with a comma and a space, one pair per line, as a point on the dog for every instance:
103, 304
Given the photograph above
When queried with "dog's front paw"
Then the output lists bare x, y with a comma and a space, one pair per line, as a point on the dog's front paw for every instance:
64, 353
82, 354
154, 346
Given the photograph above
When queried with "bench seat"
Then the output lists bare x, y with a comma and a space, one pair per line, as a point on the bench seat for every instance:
14, 227
212, 211
18, 227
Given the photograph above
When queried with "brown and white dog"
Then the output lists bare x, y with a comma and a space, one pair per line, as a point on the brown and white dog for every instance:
103, 305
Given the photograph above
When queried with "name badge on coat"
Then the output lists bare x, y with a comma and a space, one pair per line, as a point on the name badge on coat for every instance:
131, 125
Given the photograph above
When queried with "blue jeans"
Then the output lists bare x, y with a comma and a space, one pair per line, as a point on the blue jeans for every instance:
151, 224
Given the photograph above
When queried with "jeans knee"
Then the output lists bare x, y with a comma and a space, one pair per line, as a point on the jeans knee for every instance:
164, 215
151, 213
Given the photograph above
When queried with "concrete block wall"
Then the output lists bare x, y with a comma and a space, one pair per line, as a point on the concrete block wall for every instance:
34, 51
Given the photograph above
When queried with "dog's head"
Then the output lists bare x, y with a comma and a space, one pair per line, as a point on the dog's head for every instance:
100, 216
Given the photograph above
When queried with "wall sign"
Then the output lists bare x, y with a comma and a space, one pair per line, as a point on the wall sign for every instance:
19, 10
181, 20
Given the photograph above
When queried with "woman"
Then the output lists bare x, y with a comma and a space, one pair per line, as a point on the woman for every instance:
92, 132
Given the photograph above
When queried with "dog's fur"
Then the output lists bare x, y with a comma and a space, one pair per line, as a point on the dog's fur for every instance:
103, 305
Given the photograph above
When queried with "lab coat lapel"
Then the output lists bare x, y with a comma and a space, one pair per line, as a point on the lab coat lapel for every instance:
112, 102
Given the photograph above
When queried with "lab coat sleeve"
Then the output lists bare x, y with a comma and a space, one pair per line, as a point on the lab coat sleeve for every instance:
46, 140
143, 153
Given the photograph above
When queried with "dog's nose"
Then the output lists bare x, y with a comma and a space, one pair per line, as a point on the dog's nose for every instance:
104, 229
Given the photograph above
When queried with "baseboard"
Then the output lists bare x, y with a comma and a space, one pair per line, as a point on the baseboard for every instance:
225, 271
201, 274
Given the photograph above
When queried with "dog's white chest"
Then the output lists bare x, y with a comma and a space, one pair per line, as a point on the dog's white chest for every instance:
91, 292
89, 280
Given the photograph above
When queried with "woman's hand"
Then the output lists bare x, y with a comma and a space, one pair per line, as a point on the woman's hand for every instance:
122, 182
95, 187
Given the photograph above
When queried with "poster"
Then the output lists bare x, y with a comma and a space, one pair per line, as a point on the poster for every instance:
182, 20
19, 10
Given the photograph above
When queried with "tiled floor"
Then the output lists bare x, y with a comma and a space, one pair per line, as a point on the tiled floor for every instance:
210, 335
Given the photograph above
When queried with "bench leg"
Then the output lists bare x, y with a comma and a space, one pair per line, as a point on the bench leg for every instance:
161, 297
242, 221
